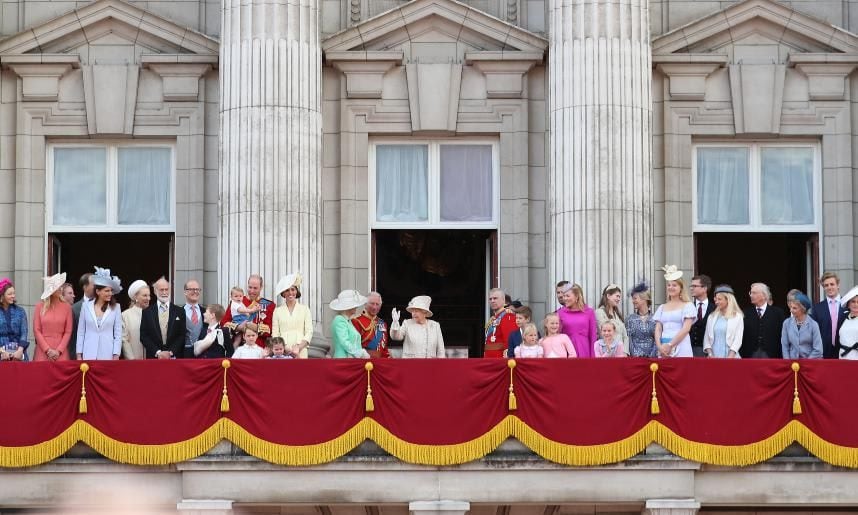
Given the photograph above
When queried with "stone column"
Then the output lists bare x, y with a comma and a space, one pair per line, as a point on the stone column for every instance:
204, 507
671, 507
439, 507
600, 180
270, 147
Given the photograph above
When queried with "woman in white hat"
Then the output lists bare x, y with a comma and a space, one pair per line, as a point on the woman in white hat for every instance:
421, 337
140, 296
99, 331
345, 338
52, 322
292, 320
849, 330
674, 318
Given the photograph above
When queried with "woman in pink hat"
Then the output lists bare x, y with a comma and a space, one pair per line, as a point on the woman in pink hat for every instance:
52, 322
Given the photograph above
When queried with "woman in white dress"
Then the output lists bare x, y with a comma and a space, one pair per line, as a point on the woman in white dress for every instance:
674, 318
421, 337
140, 297
849, 330
99, 332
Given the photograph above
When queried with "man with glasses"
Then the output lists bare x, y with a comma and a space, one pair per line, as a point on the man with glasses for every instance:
700, 286
763, 325
193, 316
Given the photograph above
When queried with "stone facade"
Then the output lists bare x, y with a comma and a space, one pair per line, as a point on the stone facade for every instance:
108, 70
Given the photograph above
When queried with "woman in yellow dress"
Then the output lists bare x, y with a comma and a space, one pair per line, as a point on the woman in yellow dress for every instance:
292, 320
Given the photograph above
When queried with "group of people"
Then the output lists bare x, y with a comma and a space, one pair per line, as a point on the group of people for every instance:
251, 326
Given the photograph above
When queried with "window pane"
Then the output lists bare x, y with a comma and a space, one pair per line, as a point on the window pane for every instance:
144, 186
722, 186
787, 186
466, 183
401, 183
80, 186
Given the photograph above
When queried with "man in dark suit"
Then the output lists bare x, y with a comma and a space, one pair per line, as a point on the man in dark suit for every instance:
87, 286
162, 326
829, 315
763, 325
700, 286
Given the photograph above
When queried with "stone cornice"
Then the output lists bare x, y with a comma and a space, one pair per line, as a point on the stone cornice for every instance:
40, 73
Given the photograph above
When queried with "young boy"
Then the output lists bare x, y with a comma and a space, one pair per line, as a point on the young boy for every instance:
277, 348
250, 349
523, 316
214, 344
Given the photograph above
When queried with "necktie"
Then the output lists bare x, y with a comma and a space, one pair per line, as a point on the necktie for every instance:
760, 312
699, 311
832, 310
195, 317
162, 307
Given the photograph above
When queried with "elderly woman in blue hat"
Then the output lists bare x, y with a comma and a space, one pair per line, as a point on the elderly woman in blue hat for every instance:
99, 332
800, 337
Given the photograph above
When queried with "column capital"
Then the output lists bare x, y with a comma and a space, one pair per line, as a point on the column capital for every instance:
204, 507
439, 507
671, 507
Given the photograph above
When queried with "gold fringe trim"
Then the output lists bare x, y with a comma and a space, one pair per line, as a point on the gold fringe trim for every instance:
451, 454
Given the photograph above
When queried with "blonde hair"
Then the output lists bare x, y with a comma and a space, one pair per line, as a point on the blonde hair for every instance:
529, 329
610, 323
579, 293
644, 296
545, 323
683, 291
732, 306
46, 304
235, 289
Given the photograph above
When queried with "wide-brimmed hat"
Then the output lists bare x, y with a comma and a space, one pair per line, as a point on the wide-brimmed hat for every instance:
671, 272
287, 282
53, 284
135, 287
844, 301
102, 277
348, 299
421, 302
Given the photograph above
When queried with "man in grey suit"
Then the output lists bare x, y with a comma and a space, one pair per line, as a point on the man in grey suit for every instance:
193, 316
88, 287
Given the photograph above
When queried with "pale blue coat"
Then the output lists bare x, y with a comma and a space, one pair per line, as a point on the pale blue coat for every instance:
99, 340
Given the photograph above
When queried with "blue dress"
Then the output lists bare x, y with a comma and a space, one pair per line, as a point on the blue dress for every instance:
13, 327
641, 336
719, 342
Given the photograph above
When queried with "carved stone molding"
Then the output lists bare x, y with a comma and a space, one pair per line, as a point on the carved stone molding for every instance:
111, 109
181, 81
505, 73
364, 71
687, 81
40, 73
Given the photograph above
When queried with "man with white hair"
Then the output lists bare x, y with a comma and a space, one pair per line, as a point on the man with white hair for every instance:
372, 329
500, 325
162, 326
763, 325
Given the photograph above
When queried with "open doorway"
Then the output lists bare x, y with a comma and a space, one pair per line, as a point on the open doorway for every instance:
130, 256
783, 261
454, 267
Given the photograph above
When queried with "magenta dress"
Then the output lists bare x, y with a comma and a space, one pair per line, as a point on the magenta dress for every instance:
580, 327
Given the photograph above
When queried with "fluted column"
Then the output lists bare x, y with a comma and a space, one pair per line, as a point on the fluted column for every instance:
271, 132
600, 182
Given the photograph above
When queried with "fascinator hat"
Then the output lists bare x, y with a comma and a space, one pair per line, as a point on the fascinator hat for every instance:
640, 287
287, 282
671, 272
102, 277
844, 301
52, 284
724, 288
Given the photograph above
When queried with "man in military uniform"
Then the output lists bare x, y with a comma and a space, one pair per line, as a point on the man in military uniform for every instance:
372, 329
500, 325
264, 308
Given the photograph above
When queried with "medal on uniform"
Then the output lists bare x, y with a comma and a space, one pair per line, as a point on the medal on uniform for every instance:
493, 338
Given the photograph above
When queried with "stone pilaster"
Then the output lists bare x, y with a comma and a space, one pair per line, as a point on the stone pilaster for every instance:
671, 507
600, 181
270, 148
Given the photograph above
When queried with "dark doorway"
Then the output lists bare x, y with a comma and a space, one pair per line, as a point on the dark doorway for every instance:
783, 261
130, 256
448, 265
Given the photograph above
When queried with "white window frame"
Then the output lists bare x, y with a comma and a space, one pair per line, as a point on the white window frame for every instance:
755, 189
112, 176
434, 183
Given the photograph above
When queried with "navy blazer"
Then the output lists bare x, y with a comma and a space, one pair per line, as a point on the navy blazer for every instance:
698, 328
822, 316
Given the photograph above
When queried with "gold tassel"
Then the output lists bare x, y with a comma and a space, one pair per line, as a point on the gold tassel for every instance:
513, 403
653, 405
224, 400
796, 403
81, 406
369, 405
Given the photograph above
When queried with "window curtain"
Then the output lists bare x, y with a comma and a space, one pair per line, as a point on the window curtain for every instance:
145, 185
402, 185
466, 183
787, 186
80, 186
722, 186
